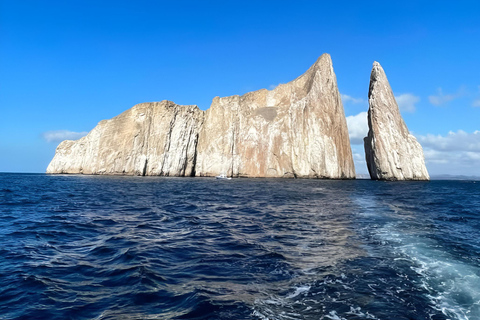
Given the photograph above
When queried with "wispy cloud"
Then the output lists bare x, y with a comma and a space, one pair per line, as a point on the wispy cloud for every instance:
357, 127
453, 141
457, 152
348, 99
60, 135
476, 103
406, 102
273, 86
358, 153
440, 98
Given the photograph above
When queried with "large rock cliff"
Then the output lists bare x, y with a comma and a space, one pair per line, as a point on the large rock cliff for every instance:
157, 138
392, 153
296, 130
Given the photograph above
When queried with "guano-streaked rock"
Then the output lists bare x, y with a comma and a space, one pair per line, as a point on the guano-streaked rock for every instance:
391, 152
295, 130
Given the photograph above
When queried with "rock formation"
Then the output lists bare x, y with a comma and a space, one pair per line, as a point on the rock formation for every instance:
392, 153
295, 130
157, 138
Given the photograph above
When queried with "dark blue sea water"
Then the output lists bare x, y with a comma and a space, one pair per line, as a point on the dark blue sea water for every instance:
97, 247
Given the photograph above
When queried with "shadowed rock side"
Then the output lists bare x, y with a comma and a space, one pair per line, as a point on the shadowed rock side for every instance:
149, 139
391, 152
295, 130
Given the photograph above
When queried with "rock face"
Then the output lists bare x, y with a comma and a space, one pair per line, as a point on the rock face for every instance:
296, 130
149, 139
392, 153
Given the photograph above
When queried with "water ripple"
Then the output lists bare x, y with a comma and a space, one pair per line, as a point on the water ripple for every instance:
92, 247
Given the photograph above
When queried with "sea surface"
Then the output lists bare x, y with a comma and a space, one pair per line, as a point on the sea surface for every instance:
99, 247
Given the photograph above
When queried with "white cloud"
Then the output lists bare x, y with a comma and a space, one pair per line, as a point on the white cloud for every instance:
453, 141
60, 135
440, 98
358, 157
406, 102
455, 153
357, 127
358, 153
346, 99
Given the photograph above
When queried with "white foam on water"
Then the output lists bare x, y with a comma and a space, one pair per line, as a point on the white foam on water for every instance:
299, 303
453, 285
298, 291
358, 312
333, 316
256, 313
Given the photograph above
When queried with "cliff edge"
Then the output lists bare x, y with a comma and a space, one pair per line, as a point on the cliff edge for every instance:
391, 152
157, 138
297, 129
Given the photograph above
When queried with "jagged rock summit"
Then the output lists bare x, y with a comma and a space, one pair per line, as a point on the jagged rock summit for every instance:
391, 152
295, 130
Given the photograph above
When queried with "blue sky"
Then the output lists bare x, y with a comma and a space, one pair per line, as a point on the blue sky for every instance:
66, 65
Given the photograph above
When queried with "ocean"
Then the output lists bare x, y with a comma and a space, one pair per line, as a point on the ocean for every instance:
117, 247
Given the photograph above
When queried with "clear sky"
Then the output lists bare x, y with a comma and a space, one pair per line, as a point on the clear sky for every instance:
66, 65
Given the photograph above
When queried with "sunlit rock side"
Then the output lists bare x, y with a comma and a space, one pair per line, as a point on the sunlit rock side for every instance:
391, 152
157, 138
295, 130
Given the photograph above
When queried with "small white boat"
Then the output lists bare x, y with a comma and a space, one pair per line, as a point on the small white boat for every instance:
223, 176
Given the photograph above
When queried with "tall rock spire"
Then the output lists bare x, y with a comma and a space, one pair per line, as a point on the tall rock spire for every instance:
392, 153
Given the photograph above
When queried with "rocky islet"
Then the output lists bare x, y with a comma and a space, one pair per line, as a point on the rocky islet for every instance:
297, 130
391, 152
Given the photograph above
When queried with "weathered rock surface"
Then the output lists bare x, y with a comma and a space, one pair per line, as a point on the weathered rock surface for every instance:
149, 139
392, 153
296, 130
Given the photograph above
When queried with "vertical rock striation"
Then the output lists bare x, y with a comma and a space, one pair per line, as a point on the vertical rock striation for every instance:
149, 139
391, 152
296, 130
